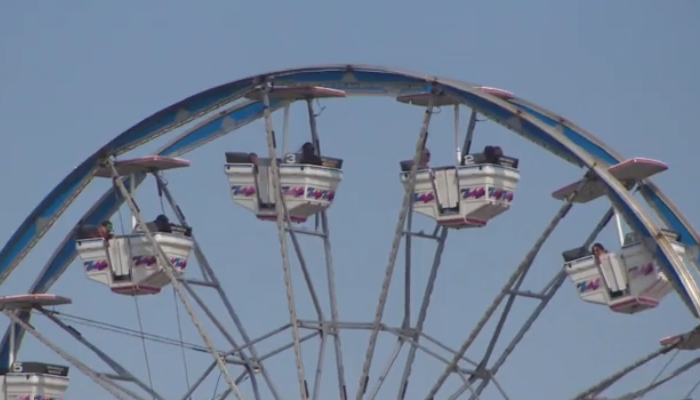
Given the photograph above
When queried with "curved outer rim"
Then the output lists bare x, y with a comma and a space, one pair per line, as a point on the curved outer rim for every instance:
547, 129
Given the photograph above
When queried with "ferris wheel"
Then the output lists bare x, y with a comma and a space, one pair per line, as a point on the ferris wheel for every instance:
295, 190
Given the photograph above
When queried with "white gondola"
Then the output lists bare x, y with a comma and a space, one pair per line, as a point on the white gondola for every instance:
465, 196
628, 281
128, 263
306, 189
469, 195
32, 380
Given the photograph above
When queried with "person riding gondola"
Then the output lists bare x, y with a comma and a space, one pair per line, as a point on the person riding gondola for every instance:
162, 224
598, 250
106, 230
309, 156
424, 160
492, 154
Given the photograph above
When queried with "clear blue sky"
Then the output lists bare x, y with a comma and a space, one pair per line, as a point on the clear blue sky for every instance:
73, 74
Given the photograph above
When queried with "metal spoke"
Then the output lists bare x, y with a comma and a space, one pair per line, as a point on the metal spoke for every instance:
330, 270
281, 233
405, 205
423, 313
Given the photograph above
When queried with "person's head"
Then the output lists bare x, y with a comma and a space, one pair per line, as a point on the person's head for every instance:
424, 157
162, 218
490, 154
107, 225
253, 158
598, 249
308, 149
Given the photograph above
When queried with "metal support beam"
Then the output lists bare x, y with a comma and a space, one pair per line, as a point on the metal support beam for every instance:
281, 229
423, 313
396, 242
330, 277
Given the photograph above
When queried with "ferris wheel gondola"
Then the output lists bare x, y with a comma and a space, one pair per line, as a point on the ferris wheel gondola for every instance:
308, 181
628, 281
479, 187
31, 380
129, 263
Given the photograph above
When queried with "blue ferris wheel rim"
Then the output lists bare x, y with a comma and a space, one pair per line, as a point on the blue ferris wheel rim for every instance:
545, 128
